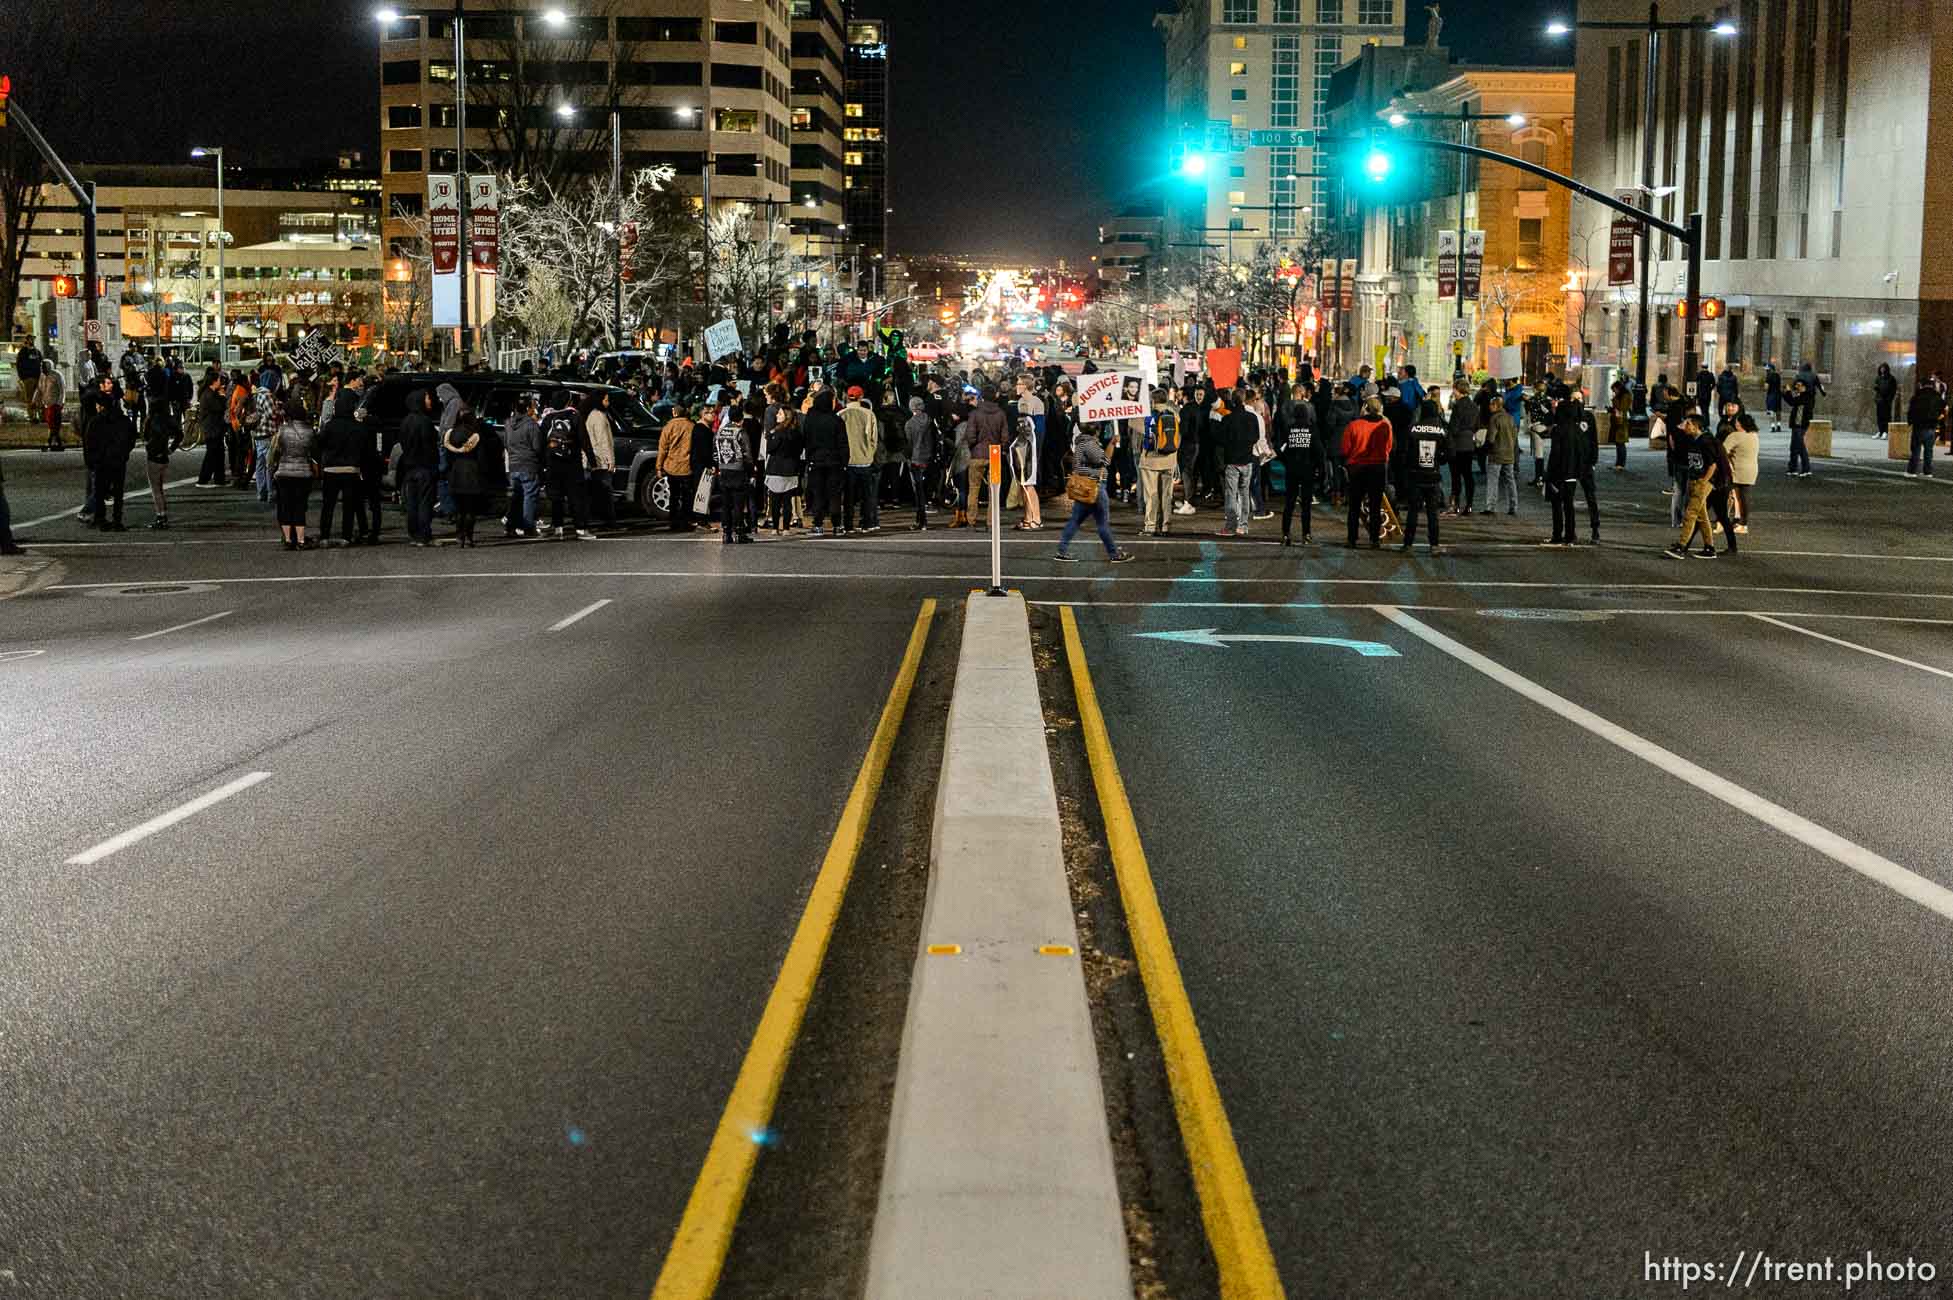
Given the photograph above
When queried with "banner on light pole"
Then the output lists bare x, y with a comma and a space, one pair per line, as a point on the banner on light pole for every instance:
1620, 242
444, 243
1472, 275
1447, 264
484, 223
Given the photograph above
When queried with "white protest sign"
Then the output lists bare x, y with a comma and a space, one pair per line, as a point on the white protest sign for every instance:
1117, 395
721, 340
1149, 363
316, 352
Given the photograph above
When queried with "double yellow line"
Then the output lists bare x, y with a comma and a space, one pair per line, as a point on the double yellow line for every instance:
1227, 1202
698, 1251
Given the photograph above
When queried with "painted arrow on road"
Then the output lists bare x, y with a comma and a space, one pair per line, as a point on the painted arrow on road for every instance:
1209, 636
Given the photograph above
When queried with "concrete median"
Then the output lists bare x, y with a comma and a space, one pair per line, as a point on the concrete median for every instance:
999, 1177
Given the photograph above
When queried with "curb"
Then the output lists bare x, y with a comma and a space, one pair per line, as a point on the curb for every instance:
999, 1177
26, 575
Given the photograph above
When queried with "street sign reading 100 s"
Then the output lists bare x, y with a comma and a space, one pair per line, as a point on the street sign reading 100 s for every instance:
1282, 138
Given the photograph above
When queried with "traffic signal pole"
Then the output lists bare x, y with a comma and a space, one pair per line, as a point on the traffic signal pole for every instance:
84, 193
1690, 234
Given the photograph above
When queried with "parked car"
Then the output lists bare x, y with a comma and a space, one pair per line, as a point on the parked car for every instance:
493, 395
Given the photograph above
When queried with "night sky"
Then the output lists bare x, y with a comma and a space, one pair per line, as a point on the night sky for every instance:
1019, 123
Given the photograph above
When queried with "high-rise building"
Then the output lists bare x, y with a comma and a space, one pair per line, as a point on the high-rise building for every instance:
697, 83
1238, 66
819, 36
1804, 138
1128, 243
864, 137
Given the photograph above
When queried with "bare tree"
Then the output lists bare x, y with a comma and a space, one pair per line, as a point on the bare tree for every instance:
41, 43
1511, 291
747, 273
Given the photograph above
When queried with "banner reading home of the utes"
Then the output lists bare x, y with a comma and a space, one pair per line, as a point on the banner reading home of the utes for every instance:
444, 242
1620, 241
484, 223
1473, 271
1447, 264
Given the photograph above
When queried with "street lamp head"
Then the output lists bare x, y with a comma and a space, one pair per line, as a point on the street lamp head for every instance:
566, 111
1398, 119
1724, 28
201, 152
554, 17
686, 111
386, 17
1515, 119
1557, 28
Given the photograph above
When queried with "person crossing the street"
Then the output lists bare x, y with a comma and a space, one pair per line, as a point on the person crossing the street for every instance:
1698, 467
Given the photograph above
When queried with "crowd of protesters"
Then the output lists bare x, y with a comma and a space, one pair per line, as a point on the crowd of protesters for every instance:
800, 437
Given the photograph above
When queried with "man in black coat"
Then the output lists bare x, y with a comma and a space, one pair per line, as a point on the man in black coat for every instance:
111, 437
1570, 467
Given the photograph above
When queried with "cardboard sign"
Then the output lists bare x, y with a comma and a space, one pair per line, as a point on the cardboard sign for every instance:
1115, 395
1149, 363
315, 352
484, 223
1447, 264
1224, 366
1473, 273
721, 340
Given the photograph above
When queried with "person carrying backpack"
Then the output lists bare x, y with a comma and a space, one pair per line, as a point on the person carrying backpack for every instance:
566, 449
1159, 460
732, 463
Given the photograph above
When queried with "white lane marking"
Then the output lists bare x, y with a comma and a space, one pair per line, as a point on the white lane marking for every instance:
1899, 880
1895, 473
195, 622
1852, 645
579, 616
1212, 638
1462, 609
130, 495
172, 817
8, 656
1288, 580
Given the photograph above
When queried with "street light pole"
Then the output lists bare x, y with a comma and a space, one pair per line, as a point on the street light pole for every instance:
223, 333
466, 263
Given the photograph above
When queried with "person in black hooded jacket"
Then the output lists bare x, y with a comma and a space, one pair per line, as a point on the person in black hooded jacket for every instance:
341, 440
826, 440
1570, 467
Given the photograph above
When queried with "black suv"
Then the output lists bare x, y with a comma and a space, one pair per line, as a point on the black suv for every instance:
493, 396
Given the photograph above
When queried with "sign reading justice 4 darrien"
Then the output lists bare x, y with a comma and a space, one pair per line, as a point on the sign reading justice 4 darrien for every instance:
1114, 396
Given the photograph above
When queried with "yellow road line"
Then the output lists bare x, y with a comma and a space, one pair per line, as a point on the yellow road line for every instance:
698, 1250
1227, 1202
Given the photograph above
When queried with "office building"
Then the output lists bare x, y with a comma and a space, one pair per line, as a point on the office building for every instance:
698, 83
819, 37
864, 136
1129, 241
1238, 66
1805, 140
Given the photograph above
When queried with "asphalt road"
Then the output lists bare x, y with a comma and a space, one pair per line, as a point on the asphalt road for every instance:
449, 1002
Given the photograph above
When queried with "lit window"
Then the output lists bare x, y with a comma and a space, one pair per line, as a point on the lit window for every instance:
1240, 42
1239, 121
871, 133
853, 110
741, 120
1237, 69
852, 158
803, 119
1237, 196
854, 133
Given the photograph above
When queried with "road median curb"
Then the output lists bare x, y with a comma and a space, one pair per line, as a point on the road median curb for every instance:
999, 1177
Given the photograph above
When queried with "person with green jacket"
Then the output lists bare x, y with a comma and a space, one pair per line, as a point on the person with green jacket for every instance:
1502, 454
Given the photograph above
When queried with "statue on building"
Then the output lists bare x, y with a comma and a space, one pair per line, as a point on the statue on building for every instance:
1435, 26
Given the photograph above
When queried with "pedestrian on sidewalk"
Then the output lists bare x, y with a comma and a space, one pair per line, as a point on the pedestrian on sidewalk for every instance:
1620, 421
467, 483
864, 475
921, 434
49, 393
1462, 432
1923, 413
1885, 396
213, 423
675, 463
1742, 445
420, 461
1698, 468
293, 467
1298, 455
1570, 468
597, 425
1502, 442
1773, 394
1427, 447
111, 439
1367, 444
1239, 431
1802, 401
160, 437
566, 446
1722, 479
522, 447
784, 449
826, 440
733, 448
339, 439
1089, 460
1159, 460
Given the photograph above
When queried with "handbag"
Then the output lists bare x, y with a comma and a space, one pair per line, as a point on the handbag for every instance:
1082, 488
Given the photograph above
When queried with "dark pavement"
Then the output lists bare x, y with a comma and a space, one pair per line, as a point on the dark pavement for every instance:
450, 1002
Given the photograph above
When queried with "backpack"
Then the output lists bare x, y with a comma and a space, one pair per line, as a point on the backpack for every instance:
559, 435
1163, 433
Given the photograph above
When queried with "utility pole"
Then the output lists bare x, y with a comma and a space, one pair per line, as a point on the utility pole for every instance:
466, 263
